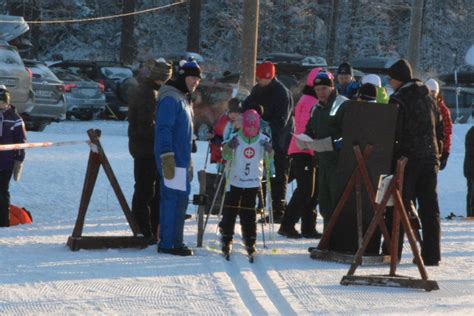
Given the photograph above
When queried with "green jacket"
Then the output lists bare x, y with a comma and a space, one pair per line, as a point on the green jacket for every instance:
326, 121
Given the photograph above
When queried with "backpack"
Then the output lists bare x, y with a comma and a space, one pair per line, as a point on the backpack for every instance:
19, 216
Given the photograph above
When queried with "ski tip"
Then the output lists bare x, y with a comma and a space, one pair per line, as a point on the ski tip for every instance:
227, 257
251, 259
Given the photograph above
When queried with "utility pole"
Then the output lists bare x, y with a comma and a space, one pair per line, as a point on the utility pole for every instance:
414, 40
194, 26
249, 44
128, 44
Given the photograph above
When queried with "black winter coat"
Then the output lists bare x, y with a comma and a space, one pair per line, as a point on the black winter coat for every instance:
419, 134
277, 102
469, 156
141, 120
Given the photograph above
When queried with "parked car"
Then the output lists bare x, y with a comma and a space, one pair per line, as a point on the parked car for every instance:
108, 74
49, 103
85, 98
15, 76
465, 102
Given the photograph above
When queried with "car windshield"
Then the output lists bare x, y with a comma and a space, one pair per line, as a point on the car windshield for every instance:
10, 57
65, 74
42, 72
116, 72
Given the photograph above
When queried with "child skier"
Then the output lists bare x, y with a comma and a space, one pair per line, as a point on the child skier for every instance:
245, 153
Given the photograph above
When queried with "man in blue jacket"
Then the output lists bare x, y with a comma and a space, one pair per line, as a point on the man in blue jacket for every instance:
346, 85
12, 131
173, 144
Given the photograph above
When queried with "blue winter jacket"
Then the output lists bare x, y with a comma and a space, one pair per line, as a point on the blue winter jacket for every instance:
12, 131
174, 127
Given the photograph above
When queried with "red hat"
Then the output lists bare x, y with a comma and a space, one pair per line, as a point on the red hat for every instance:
265, 70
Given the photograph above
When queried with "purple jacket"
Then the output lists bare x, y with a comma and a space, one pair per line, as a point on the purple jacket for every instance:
12, 131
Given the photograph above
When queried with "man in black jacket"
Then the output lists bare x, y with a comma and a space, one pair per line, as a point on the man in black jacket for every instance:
141, 133
277, 103
419, 138
469, 171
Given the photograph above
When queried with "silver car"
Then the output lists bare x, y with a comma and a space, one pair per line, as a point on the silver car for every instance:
85, 98
50, 102
15, 77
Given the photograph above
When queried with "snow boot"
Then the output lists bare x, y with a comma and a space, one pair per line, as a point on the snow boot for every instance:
181, 251
289, 232
226, 247
251, 251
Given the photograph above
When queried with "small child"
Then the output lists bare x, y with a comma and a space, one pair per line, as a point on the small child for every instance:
245, 153
12, 131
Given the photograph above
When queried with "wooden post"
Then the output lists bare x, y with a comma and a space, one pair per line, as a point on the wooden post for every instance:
249, 44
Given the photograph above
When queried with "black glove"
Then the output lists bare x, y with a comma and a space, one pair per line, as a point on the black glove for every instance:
443, 160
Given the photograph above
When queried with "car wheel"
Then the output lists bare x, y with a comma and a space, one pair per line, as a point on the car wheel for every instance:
84, 117
38, 126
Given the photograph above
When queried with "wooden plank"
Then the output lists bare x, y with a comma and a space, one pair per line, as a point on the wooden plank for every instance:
390, 281
328, 255
105, 242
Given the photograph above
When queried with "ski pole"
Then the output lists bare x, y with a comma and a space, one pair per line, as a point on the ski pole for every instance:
207, 154
262, 216
222, 177
269, 196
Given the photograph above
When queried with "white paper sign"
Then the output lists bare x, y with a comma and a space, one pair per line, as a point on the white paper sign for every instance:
384, 182
179, 180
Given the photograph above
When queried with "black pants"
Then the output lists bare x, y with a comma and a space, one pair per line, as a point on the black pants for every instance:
5, 176
146, 198
239, 201
419, 183
304, 199
279, 184
470, 197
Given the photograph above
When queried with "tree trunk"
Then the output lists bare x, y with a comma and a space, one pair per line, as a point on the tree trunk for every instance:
128, 45
249, 44
331, 45
194, 26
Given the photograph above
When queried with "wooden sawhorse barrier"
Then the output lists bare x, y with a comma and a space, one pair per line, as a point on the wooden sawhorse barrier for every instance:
98, 158
399, 216
360, 173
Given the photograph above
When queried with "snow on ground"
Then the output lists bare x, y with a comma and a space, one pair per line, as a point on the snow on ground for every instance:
40, 275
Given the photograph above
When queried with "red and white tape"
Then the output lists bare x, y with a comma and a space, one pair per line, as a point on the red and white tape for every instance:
41, 145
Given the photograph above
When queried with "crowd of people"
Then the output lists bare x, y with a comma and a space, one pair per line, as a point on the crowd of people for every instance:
255, 147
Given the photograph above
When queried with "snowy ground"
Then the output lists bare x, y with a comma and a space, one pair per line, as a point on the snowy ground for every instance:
40, 275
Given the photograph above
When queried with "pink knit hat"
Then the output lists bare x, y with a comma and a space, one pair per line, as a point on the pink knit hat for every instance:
250, 123
311, 76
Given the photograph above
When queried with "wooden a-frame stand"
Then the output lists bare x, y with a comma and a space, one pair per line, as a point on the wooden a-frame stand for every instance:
399, 216
98, 158
360, 171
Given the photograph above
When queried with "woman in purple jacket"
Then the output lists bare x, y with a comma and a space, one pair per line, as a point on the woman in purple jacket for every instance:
12, 131
303, 202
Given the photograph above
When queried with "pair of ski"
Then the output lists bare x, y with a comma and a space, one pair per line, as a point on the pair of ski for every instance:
251, 252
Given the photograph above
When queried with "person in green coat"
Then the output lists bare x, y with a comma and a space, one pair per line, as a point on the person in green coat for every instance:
325, 127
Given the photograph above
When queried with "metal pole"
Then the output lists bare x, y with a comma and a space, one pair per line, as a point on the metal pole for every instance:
249, 44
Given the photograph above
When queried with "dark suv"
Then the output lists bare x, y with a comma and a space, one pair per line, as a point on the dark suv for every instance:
109, 74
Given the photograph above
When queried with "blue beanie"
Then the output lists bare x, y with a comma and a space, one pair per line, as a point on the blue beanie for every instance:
190, 68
